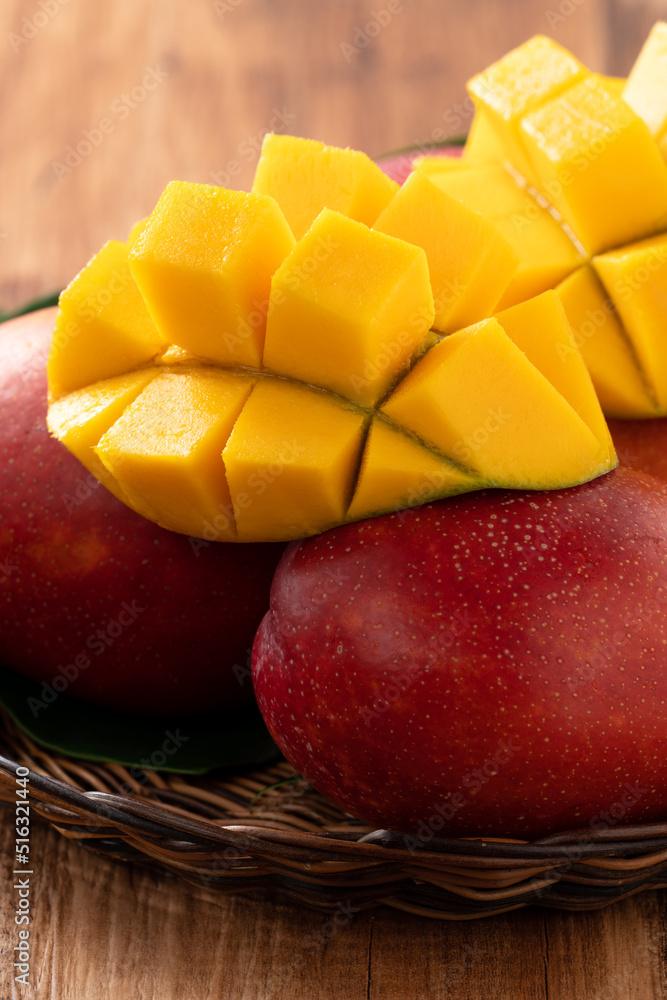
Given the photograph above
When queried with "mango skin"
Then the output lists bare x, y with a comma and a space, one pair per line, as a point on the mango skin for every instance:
71, 554
483, 666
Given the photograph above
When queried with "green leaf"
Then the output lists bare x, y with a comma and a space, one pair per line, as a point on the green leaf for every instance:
41, 303
180, 743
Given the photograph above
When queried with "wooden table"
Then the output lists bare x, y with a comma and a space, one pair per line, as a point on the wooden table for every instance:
189, 88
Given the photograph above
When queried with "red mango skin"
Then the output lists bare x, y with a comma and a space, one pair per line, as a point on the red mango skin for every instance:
67, 575
642, 445
488, 665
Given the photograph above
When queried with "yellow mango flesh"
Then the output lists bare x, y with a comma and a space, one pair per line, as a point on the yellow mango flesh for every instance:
165, 450
348, 308
305, 176
483, 144
520, 82
204, 264
605, 347
81, 418
103, 327
290, 461
474, 397
636, 279
470, 262
554, 354
584, 146
546, 253
397, 472
646, 87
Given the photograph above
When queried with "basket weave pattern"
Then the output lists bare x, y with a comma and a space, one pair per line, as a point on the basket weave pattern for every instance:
241, 832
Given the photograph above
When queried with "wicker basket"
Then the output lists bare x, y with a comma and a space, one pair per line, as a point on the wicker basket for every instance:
270, 830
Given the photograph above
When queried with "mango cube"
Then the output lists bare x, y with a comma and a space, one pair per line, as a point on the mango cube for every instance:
584, 146
523, 80
646, 88
80, 418
290, 461
348, 308
470, 261
305, 176
103, 327
204, 264
636, 279
546, 253
165, 450
397, 471
539, 327
474, 398
483, 144
605, 346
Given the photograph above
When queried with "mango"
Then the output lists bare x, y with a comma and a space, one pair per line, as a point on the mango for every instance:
305, 176
348, 307
584, 145
523, 80
103, 327
470, 262
646, 87
204, 264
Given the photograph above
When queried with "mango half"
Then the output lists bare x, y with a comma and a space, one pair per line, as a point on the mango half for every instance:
233, 384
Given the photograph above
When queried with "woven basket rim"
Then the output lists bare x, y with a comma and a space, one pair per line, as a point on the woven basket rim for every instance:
210, 830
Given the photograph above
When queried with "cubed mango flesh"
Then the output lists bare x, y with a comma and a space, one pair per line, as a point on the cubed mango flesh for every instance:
165, 450
348, 308
470, 262
103, 327
605, 347
290, 461
584, 145
523, 80
397, 471
474, 398
635, 277
305, 176
646, 87
204, 264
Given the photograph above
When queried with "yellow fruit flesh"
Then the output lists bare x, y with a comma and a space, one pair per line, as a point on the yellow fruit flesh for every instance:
204, 264
635, 277
470, 262
524, 79
605, 347
291, 460
305, 176
474, 397
165, 450
646, 88
103, 327
584, 145
348, 308
81, 418
397, 472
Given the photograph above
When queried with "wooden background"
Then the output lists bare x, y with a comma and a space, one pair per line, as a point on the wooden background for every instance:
222, 73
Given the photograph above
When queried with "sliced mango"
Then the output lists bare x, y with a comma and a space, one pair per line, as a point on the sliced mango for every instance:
165, 450
103, 327
204, 264
605, 347
584, 145
475, 398
540, 328
397, 472
291, 461
546, 253
523, 80
470, 261
646, 88
81, 418
483, 144
305, 176
348, 308
636, 279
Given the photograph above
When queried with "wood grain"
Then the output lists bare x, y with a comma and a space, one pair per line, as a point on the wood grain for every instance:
223, 73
